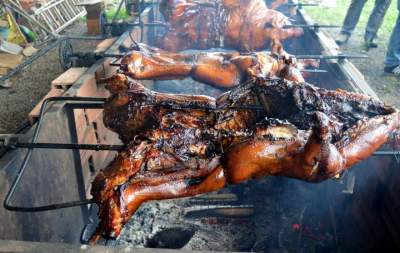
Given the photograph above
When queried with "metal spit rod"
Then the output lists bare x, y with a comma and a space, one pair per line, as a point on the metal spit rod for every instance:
44, 145
331, 57
315, 26
97, 103
300, 5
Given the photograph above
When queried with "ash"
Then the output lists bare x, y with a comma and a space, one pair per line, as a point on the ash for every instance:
288, 216
163, 224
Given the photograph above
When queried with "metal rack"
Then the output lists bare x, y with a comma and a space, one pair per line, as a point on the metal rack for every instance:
71, 103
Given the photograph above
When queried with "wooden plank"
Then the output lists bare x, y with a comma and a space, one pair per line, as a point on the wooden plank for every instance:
87, 88
80, 123
109, 71
93, 26
10, 60
34, 114
88, 138
105, 44
68, 78
93, 114
4, 71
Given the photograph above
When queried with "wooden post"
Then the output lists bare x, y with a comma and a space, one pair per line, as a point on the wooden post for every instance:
93, 9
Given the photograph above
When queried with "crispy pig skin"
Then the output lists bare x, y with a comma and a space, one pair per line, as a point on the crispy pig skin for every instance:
302, 132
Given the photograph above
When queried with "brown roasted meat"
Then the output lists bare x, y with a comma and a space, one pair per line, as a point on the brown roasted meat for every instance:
179, 145
220, 69
245, 25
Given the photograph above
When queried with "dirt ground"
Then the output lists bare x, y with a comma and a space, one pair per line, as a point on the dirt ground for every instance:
31, 84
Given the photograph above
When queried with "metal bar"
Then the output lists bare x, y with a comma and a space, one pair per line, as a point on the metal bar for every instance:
98, 147
314, 26
117, 12
331, 57
80, 178
139, 24
77, 37
300, 5
314, 70
387, 153
7, 201
50, 207
98, 55
46, 145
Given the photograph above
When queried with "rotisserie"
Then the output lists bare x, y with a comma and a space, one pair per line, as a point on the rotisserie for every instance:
180, 145
245, 25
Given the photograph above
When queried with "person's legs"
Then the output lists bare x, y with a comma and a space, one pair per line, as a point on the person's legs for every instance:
393, 54
376, 19
352, 16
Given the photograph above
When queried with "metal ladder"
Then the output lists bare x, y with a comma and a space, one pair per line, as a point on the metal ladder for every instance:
58, 14
51, 18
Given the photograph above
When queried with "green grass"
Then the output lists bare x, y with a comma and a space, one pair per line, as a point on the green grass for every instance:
335, 16
123, 14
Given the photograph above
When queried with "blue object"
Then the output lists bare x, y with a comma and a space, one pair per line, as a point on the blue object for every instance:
393, 53
4, 32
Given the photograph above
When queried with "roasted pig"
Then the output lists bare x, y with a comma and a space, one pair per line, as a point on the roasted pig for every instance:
245, 25
180, 145
220, 69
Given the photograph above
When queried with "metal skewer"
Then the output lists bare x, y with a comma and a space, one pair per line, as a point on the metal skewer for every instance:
315, 27
300, 5
339, 57
311, 57
313, 70
45, 145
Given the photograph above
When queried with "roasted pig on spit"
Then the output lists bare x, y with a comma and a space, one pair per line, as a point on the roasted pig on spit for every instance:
181, 145
220, 69
245, 25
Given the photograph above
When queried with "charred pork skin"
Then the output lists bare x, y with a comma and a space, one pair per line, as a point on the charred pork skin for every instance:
233, 68
178, 145
244, 25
